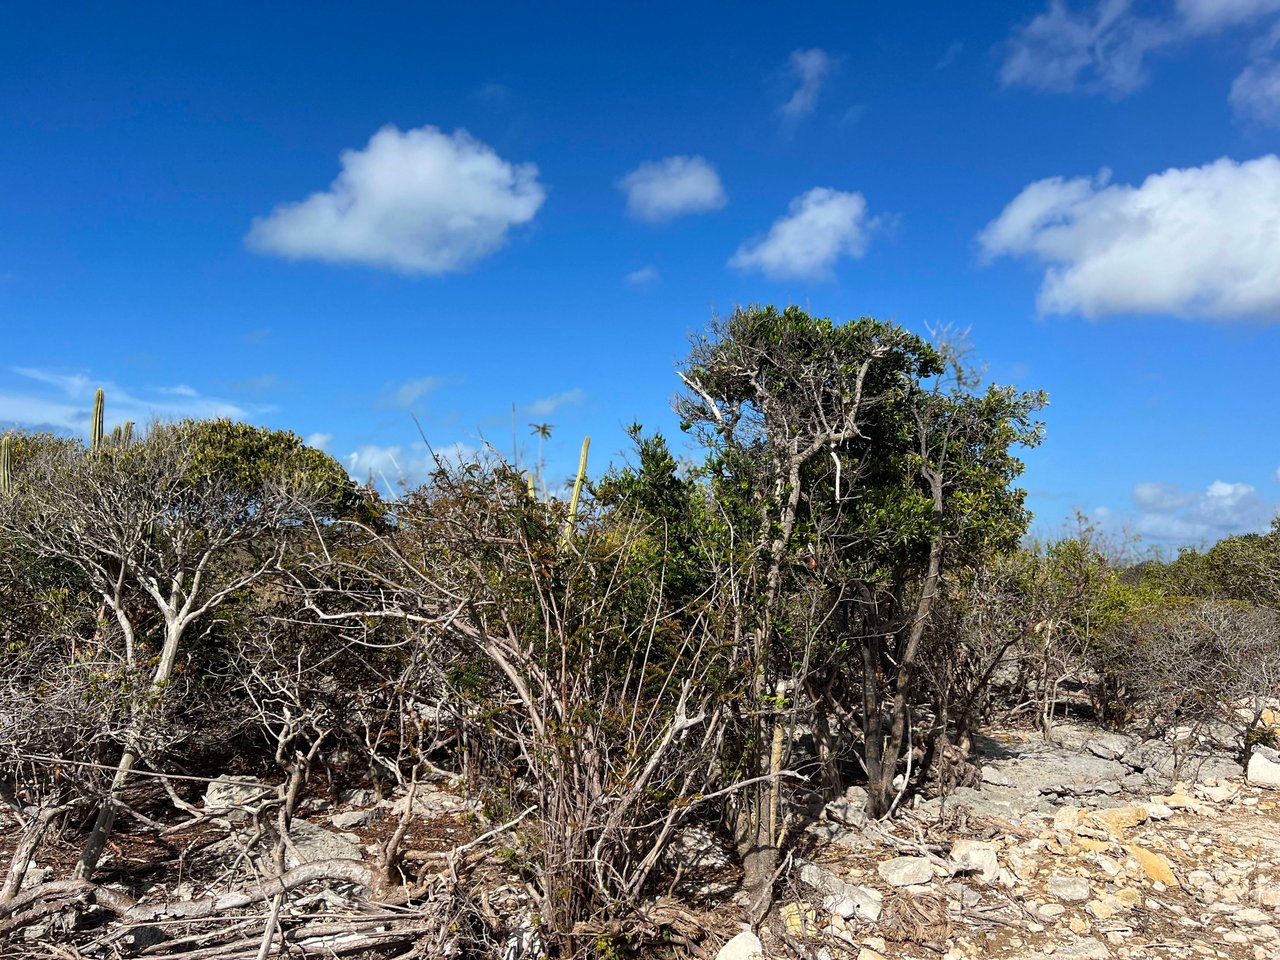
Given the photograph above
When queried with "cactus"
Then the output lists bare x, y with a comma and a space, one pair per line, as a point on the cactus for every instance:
533, 491
95, 428
577, 491
127, 433
6, 476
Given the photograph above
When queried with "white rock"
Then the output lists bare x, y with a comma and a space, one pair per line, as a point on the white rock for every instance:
314, 843
1070, 889
842, 898
1264, 768
349, 819
745, 946
978, 856
906, 871
234, 791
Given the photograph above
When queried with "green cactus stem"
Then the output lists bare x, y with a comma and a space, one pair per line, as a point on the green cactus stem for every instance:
95, 428
577, 491
6, 476
127, 433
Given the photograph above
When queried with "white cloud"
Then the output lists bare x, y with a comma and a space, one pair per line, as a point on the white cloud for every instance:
669, 188
320, 441
1160, 496
419, 201
644, 277
1207, 15
394, 469
1168, 513
546, 406
1102, 48
64, 402
411, 391
1255, 93
1194, 242
810, 68
820, 227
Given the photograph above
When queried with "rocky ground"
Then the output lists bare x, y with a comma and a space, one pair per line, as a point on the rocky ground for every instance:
1091, 845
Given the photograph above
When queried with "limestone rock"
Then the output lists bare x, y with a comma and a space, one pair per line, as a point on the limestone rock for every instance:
844, 899
1108, 746
1118, 819
428, 803
1099, 910
906, 871
978, 856
745, 946
800, 919
1264, 768
227, 791
1070, 889
316, 843
850, 810
1153, 865
350, 819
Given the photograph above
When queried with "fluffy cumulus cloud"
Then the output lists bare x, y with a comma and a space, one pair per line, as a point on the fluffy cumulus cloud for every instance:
417, 201
810, 69
1200, 242
666, 189
1171, 514
61, 402
1103, 47
820, 227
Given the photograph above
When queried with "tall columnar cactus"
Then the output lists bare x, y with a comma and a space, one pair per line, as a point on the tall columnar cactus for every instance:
6, 475
95, 429
577, 491
126, 434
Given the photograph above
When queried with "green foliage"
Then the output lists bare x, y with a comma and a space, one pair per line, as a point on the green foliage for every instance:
1244, 568
256, 458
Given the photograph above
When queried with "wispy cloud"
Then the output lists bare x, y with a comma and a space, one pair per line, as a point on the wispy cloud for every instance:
417, 201
646, 276
546, 406
1255, 93
43, 399
950, 55
262, 383
665, 189
1103, 47
411, 391
810, 69
820, 227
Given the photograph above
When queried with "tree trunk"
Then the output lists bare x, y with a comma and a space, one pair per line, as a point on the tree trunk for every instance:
880, 790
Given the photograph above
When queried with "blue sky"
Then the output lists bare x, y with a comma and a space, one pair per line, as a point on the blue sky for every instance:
328, 217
